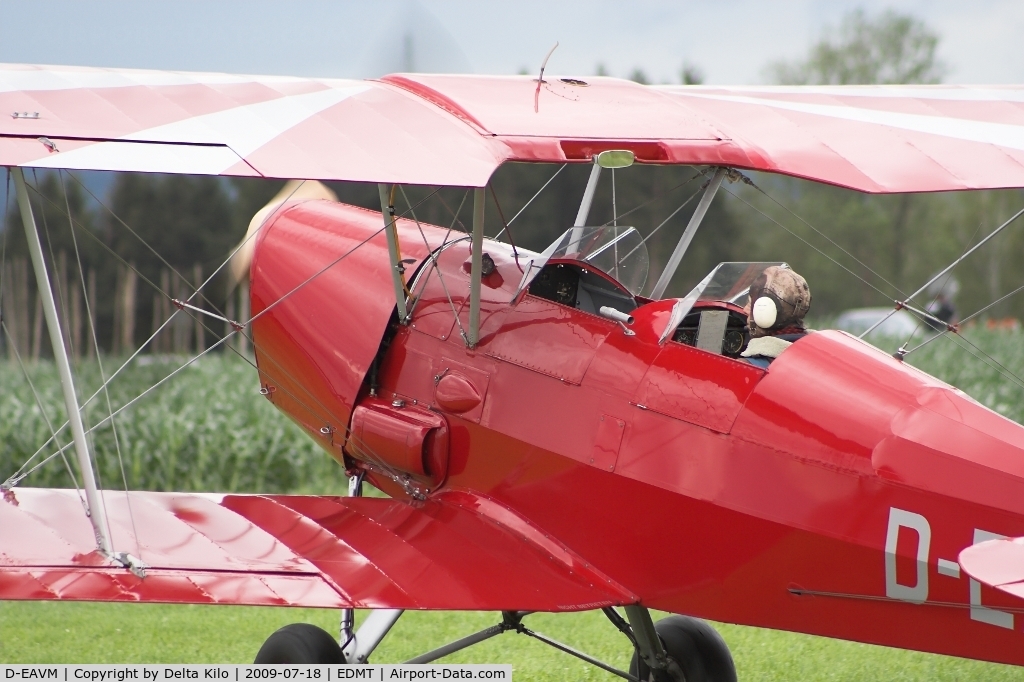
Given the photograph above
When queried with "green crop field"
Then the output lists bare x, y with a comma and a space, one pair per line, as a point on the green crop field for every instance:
208, 429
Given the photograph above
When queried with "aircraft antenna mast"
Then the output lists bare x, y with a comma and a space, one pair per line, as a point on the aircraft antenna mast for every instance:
94, 501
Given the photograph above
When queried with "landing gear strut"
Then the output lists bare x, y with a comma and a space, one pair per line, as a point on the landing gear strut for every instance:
696, 653
676, 649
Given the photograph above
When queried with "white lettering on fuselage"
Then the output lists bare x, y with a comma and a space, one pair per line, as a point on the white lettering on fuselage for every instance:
917, 592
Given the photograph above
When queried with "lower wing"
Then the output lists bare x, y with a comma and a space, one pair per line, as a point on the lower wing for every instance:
997, 563
454, 552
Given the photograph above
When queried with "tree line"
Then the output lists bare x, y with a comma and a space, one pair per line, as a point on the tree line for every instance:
153, 238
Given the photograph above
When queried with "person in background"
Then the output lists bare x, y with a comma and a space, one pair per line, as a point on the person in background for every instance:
941, 306
779, 301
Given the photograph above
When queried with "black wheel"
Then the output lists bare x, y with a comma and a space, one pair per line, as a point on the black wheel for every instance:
698, 650
300, 643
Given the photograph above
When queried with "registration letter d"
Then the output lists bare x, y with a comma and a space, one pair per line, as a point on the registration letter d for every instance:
918, 592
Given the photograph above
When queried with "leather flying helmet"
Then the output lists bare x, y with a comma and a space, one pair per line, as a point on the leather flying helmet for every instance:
779, 298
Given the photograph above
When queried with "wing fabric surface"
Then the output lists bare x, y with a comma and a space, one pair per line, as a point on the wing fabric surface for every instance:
290, 551
457, 130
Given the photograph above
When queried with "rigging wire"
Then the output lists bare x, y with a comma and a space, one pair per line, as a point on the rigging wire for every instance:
807, 243
3, 249
99, 363
135, 234
57, 284
663, 223
950, 267
527, 204
657, 196
968, 318
44, 413
748, 181
135, 354
501, 214
1006, 373
405, 484
433, 259
902, 352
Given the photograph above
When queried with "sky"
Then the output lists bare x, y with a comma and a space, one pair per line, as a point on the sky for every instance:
730, 42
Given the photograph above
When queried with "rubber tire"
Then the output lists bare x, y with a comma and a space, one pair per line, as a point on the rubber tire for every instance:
695, 646
300, 643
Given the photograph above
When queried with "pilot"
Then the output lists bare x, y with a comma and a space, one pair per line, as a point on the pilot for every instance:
779, 300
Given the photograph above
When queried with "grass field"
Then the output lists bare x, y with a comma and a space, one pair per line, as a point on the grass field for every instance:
46, 632
208, 429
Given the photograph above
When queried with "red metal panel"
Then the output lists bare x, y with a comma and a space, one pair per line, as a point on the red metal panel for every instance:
697, 386
607, 441
550, 338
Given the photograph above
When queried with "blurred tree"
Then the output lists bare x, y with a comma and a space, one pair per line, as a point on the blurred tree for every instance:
50, 206
184, 219
889, 48
638, 76
601, 70
691, 74
903, 238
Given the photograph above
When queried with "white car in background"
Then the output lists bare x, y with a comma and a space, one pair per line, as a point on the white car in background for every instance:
900, 324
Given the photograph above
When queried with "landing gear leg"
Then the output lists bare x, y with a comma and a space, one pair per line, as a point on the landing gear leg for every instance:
360, 645
348, 616
690, 650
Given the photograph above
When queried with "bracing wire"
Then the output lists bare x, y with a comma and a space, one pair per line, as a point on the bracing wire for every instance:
433, 259
19, 474
944, 284
42, 411
252, 319
3, 225
99, 363
527, 204
57, 283
501, 214
974, 350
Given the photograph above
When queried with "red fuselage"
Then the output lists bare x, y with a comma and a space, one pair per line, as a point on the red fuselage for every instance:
828, 494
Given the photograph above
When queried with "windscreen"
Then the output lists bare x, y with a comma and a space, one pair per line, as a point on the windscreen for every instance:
615, 250
728, 282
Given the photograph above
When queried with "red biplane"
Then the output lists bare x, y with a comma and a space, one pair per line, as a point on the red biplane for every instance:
551, 439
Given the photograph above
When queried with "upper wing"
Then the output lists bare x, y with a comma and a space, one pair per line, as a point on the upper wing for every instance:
220, 124
456, 130
449, 553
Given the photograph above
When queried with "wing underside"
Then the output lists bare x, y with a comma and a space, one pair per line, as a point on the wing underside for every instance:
290, 551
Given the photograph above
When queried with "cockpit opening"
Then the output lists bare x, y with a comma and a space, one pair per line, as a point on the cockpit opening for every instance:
571, 284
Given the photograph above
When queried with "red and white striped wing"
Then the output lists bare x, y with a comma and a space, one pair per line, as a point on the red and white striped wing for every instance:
456, 130
218, 124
